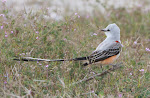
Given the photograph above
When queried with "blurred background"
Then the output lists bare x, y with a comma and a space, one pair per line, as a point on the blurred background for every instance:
57, 9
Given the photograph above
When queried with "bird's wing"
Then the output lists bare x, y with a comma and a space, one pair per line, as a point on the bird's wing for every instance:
101, 55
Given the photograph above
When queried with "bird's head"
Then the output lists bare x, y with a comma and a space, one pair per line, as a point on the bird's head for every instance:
112, 30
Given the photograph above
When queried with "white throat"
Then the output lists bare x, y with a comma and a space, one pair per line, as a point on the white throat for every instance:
112, 36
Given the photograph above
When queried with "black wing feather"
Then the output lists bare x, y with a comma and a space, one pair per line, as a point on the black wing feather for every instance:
102, 55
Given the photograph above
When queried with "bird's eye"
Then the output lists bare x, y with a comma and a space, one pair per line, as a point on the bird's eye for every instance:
108, 30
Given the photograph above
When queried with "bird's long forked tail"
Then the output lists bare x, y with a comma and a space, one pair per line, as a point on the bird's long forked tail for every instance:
48, 60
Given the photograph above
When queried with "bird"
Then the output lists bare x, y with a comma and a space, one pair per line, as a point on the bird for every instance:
106, 52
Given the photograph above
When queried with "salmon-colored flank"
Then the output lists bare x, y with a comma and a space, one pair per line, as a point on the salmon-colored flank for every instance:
109, 60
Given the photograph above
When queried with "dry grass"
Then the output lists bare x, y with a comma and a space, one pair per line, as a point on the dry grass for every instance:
69, 39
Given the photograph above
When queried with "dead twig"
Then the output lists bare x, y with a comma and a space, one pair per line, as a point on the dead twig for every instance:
99, 74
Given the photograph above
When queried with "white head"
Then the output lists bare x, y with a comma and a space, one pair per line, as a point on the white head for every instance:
112, 31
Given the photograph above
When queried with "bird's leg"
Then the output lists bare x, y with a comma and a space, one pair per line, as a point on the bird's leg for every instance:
101, 67
114, 65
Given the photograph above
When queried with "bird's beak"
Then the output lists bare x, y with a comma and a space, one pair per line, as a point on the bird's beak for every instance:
104, 30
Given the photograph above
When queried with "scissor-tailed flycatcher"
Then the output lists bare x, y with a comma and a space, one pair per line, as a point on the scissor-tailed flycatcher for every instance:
106, 52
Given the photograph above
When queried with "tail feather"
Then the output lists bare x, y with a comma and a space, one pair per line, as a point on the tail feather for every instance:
79, 59
48, 60
36, 59
85, 64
